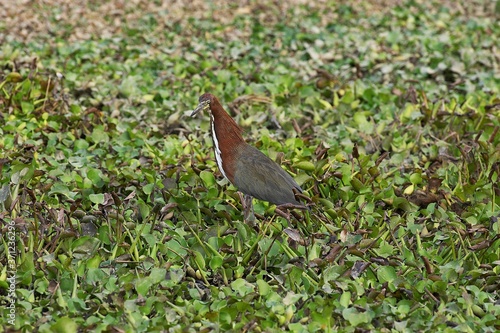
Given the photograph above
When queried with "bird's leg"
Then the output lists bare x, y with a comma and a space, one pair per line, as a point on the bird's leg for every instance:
246, 203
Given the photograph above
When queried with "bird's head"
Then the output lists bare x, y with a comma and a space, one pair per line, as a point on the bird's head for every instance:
205, 100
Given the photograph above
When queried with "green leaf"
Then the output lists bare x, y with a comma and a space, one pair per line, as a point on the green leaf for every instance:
199, 260
4, 193
99, 136
345, 299
64, 325
416, 178
143, 286
242, 287
305, 165
386, 274
84, 246
27, 107
356, 317
264, 287
143, 209
348, 97
97, 198
215, 262
94, 176
60, 188
208, 178
148, 188
128, 87
157, 275
96, 275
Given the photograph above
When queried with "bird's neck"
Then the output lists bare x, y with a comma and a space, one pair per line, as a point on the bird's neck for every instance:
227, 139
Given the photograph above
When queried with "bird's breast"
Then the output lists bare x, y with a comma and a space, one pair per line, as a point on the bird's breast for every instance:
227, 146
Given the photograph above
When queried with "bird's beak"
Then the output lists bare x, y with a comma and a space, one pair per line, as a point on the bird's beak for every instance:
202, 106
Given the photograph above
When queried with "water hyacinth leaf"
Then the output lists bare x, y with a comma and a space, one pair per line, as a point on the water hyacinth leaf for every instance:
144, 209
356, 317
85, 245
215, 262
305, 165
59, 188
242, 286
386, 116
143, 286
95, 176
199, 260
264, 287
148, 188
386, 274
208, 178
99, 136
97, 198
65, 324
4, 193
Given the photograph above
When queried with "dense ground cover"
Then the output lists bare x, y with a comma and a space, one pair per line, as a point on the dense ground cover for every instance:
115, 217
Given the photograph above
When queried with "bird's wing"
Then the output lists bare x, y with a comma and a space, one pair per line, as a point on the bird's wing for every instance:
264, 179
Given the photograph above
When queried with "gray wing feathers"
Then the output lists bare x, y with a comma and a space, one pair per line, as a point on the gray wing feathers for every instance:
268, 182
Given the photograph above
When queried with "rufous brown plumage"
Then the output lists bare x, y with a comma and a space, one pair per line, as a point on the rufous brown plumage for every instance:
252, 172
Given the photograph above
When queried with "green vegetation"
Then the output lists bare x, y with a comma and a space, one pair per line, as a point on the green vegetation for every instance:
115, 217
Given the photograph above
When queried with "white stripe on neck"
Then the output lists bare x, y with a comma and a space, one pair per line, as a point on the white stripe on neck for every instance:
218, 153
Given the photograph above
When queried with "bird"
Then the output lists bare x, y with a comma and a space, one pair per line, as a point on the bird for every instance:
247, 168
